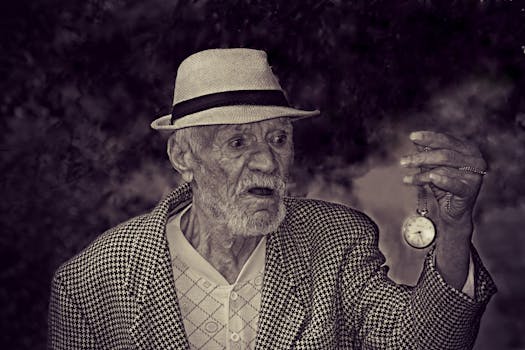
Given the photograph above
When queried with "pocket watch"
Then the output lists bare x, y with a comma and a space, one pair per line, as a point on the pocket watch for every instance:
418, 230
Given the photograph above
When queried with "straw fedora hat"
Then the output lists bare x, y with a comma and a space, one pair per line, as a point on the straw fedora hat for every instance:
226, 86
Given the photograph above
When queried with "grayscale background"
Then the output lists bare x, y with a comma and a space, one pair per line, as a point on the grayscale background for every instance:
80, 82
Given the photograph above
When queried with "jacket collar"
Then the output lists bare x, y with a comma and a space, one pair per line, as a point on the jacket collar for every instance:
285, 295
150, 280
150, 243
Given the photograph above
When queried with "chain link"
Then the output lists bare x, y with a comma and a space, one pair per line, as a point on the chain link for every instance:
422, 204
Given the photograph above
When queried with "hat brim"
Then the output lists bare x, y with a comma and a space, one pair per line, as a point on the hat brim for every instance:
238, 114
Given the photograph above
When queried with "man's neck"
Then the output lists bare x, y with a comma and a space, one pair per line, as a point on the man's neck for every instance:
227, 253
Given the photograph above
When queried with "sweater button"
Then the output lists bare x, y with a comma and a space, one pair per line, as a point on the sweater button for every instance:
211, 327
235, 337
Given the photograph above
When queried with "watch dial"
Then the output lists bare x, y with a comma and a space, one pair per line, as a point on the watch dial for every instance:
419, 231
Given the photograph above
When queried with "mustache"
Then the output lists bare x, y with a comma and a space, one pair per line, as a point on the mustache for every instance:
276, 183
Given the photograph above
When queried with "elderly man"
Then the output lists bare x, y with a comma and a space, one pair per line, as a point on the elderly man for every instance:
227, 261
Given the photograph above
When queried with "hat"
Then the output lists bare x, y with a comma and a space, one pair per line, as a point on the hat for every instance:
226, 86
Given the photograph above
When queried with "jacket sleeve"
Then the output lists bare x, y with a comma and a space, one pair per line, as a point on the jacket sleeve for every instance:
432, 315
67, 327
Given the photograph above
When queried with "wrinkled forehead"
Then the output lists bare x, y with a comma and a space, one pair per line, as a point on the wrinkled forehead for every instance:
265, 125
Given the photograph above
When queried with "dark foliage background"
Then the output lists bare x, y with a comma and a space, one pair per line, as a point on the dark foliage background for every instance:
81, 81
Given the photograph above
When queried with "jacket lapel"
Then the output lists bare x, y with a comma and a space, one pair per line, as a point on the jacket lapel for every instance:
158, 323
158, 319
285, 291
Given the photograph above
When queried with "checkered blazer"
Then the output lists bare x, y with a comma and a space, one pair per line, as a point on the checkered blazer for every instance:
324, 288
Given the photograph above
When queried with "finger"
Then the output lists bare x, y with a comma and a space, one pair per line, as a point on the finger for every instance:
442, 157
423, 149
438, 140
447, 179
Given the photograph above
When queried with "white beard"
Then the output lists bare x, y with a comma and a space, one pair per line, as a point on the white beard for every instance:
237, 220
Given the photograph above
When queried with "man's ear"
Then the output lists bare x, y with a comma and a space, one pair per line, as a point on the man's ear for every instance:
181, 159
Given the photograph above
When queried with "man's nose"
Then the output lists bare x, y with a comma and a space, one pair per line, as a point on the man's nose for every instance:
263, 159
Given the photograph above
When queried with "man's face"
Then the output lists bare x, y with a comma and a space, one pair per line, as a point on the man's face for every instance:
241, 176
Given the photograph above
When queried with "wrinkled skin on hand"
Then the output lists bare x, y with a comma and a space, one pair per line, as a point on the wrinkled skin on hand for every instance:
440, 156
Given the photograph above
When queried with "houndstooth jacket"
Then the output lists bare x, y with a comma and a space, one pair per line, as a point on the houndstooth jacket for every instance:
324, 288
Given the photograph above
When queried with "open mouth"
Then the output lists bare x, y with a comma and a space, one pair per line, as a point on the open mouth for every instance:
261, 191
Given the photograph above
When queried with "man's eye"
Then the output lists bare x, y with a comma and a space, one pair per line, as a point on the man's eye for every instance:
237, 143
280, 139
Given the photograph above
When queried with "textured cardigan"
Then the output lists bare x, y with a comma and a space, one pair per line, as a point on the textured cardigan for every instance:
325, 287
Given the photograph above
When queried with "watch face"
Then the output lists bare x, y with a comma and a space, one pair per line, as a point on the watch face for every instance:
418, 231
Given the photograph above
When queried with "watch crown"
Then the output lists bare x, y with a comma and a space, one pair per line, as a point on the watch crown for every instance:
422, 212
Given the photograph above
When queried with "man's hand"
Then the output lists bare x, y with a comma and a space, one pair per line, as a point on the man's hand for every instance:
453, 169
441, 156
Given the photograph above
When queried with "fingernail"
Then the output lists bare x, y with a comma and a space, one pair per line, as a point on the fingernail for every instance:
408, 179
404, 161
416, 135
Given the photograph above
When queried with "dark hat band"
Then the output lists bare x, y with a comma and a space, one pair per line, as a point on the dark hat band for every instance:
229, 98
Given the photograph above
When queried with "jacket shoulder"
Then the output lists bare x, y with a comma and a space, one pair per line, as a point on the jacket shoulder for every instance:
109, 251
326, 219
